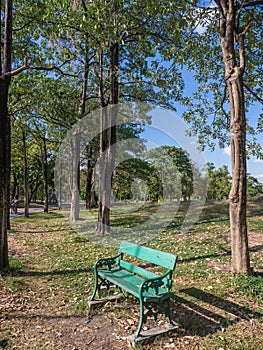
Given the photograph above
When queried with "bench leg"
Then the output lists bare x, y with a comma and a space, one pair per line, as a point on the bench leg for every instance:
95, 289
93, 294
168, 312
137, 333
163, 308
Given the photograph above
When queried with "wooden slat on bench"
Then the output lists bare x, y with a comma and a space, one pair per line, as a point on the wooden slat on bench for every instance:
123, 279
153, 256
136, 269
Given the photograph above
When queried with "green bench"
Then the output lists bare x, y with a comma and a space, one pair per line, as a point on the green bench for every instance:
152, 290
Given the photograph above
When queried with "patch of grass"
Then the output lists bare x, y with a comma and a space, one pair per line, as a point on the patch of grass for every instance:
15, 264
256, 223
53, 276
15, 284
250, 286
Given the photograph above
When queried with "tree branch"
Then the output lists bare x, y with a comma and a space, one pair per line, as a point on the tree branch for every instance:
241, 39
54, 68
253, 93
249, 4
16, 71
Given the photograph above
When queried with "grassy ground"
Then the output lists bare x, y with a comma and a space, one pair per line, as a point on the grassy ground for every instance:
43, 300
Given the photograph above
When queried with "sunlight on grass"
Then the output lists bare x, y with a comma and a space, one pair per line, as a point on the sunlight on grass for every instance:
52, 273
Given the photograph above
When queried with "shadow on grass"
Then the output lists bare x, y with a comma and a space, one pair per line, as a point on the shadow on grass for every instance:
217, 255
66, 272
28, 232
196, 319
203, 257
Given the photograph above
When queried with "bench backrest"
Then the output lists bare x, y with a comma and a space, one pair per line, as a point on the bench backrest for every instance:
150, 255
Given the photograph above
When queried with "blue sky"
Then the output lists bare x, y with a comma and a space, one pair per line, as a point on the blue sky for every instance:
219, 156
159, 135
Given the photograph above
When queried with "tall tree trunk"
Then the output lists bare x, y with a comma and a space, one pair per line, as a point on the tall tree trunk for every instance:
44, 164
33, 191
15, 190
59, 189
89, 181
26, 202
4, 180
234, 80
74, 209
8, 162
103, 210
107, 139
104, 183
5, 133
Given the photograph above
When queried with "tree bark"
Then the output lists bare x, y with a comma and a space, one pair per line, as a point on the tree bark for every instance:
26, 202
89, 182
5, 133
234, 80
8, 162
4, 179
44, 162
107, 140
104, 183
15, 190
74, 209
33, 190
59, 189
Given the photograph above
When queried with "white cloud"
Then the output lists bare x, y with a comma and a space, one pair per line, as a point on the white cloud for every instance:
260, 176
227, 151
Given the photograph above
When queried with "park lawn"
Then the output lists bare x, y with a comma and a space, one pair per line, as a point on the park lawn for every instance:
43, 300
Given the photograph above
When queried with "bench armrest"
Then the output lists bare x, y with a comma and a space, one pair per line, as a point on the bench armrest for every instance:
107, 262
159, 285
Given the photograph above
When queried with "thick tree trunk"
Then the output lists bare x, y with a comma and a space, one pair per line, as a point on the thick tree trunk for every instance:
44, 163
5, 133
104, 181
103, 210
8, 162
89, 184
238, 195
26, 202
107, 139
234, 80
74, 209
4, 180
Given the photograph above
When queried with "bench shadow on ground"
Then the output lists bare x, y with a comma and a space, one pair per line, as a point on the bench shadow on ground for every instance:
202, 313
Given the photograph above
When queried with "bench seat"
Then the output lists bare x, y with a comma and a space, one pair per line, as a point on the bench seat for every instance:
131, 283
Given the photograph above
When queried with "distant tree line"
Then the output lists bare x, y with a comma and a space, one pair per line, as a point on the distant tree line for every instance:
166, 173
219, 183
